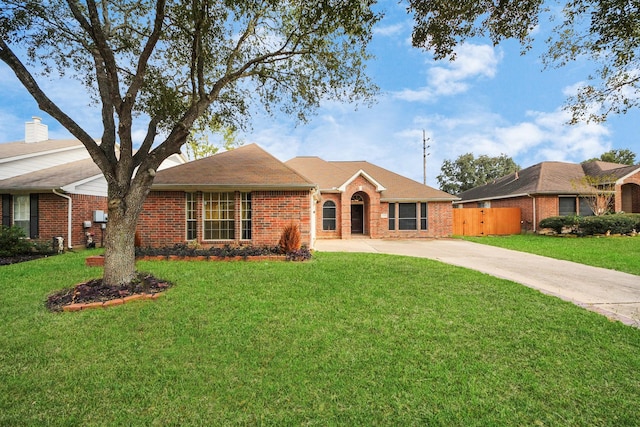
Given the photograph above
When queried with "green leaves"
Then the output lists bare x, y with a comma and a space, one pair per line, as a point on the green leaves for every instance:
605, 31
467, 172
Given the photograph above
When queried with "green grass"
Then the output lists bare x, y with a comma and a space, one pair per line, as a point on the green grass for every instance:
615, 253
346, 339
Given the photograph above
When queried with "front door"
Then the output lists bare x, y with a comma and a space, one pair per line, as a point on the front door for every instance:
357, 219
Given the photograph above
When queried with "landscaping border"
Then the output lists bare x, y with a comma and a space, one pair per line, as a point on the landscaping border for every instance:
110, 303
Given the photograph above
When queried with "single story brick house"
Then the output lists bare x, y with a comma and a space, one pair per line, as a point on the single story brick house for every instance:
549, 189
52, 188
247, 196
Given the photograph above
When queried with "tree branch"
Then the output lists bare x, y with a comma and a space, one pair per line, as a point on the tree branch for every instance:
48, 106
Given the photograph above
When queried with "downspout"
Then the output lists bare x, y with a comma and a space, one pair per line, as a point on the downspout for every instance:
535, 222
69, 212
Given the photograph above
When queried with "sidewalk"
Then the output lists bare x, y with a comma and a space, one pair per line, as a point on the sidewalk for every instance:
608, 292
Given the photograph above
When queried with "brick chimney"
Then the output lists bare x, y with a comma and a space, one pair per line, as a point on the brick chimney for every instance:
35, 131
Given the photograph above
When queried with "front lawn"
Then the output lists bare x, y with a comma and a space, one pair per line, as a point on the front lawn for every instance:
345, 339
615, 253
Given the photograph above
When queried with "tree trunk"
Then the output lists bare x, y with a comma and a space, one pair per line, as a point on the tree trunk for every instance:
119, 254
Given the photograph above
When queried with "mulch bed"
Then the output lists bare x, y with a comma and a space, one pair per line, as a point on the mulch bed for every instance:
8, 260
95, 291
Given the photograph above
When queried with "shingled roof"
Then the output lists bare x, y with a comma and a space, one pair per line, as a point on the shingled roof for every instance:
332, 175
546, 178
11, 150
246, 167
55, 177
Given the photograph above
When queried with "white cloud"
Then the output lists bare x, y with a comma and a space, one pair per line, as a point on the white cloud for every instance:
472, 62
389, 30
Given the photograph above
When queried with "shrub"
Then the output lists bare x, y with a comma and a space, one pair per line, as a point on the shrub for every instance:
614, 224
290, 240
559, 223
13, 242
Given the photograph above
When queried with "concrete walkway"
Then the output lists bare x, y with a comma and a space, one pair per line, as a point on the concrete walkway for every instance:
608, 292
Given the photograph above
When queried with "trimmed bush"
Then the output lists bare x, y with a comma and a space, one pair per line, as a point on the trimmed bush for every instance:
13, 242
559, 223
614, 224
592, 225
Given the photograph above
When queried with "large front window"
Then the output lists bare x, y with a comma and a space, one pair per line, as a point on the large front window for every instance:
21, 212
219, 216
329, 216
567, 206
407, 218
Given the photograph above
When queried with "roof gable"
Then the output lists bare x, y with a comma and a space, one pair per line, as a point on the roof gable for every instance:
366, 176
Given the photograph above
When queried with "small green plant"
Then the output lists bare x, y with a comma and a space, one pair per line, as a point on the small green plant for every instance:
13, 242
290, 240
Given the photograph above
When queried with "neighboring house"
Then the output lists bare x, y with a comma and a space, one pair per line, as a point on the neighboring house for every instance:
357, 198
549, 189
52, 188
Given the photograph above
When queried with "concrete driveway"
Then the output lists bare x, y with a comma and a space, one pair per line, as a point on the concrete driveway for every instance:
608, 292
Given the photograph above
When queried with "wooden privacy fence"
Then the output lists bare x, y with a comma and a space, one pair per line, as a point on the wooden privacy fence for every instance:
486, 221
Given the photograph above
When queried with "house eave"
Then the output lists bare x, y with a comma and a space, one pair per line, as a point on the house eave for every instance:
418, 199
484, 199
379, 187
229, 187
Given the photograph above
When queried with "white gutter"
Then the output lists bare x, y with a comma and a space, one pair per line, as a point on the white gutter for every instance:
69, 212
535, 221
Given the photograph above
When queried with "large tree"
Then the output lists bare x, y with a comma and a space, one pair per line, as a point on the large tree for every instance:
623, 156
467, 171
173, 63
605, 31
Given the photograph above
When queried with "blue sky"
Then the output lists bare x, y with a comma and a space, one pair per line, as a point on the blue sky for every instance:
491, 100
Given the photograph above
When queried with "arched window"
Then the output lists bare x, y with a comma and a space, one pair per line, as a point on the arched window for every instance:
329, 216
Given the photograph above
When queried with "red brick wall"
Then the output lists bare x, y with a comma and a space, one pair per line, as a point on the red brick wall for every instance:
272, 211
83, 207
53, 217
329, 234
546, 206
439, 223
163, 221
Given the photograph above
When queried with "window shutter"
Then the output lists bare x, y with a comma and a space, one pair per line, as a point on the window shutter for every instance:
33, 218
6, 210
